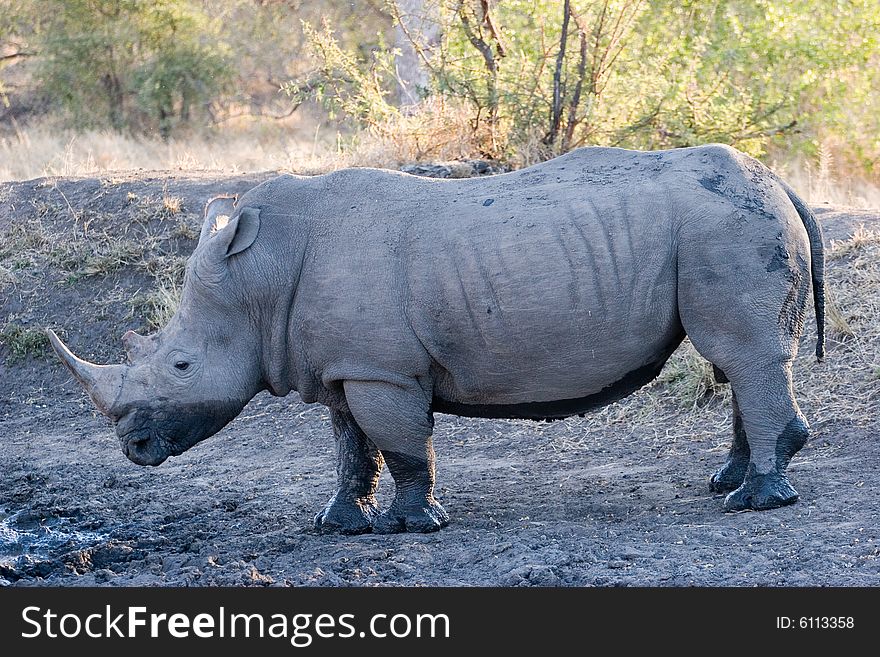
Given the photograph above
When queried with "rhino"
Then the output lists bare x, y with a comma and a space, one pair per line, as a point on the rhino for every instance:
538, 294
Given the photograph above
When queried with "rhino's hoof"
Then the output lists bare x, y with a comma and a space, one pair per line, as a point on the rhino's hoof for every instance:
347, 516
729, 477
760, 492
429, 517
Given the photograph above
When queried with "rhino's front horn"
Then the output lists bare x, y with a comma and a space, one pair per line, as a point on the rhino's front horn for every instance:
102, 382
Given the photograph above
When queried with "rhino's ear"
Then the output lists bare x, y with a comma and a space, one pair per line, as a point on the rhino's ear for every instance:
217, 213
236, 234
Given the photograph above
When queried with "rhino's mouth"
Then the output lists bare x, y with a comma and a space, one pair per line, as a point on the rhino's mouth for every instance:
144, 442
149, 435
146, 450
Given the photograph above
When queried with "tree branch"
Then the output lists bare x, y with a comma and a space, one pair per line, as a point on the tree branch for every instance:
500, 48
417, 46
485, 50
581, 76
558, 92
261, 115
768, 132
16, 55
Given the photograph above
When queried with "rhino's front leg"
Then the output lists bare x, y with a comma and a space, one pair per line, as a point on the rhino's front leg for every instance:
352, 509
398, 420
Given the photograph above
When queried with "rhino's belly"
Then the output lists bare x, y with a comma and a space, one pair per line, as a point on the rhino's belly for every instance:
563, 407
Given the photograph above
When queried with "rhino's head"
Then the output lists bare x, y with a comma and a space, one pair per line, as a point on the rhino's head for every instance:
186, 382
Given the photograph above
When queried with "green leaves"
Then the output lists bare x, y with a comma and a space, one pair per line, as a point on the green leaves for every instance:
757, 74
140, 64
355, 84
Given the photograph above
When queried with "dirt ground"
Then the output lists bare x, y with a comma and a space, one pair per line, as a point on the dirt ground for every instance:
619, 498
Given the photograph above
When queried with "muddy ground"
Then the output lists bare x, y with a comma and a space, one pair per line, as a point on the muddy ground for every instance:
618, 498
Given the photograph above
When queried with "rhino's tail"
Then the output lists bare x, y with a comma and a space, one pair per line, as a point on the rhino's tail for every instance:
817, 263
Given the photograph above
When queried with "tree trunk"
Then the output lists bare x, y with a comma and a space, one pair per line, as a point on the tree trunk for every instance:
114, 101
558, 80
418, 29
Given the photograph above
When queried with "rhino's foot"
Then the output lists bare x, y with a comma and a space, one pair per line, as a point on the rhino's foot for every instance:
730, 476
760, 492
417, 516
347, 515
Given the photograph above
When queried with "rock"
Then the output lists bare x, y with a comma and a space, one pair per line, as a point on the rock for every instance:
631, 554
111, 556
455, 169
9, 574
30, 567
532, 575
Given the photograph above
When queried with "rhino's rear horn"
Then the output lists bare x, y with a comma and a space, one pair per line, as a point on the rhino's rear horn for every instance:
137, 346
102, 382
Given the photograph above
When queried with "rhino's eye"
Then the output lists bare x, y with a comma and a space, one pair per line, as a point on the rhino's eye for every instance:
182, 365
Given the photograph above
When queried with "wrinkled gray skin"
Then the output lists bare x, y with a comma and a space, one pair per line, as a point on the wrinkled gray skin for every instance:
535, 294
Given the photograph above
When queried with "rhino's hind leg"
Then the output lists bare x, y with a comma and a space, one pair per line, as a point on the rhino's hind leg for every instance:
352, 509
414, 508
766, 484
774, 431
743, 287
399, 422
730, 476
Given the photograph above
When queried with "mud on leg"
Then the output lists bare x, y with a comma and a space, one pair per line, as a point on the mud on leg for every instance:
731, 475
775, 430
397, 418
352, 509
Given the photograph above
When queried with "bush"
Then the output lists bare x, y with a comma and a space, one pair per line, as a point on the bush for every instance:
541, 76
148, 64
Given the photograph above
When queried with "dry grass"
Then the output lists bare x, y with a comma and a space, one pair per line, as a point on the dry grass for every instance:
823, 182
29, 249
690, 379
172, 204
48, 151
31, 246
862, 237
158, 305
436, 131
7, 276
854, 249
